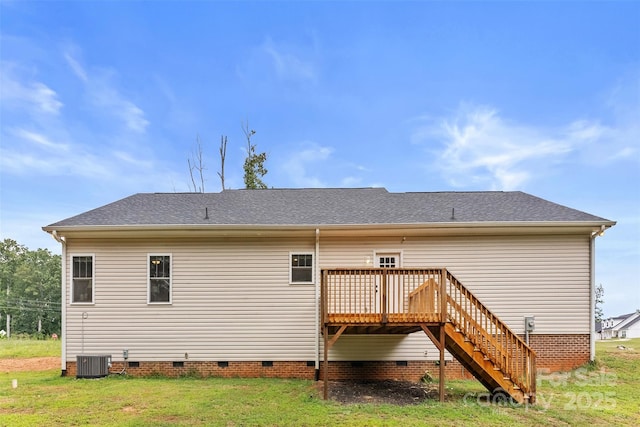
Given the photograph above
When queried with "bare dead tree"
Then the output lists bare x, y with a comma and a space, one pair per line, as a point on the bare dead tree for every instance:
223, 155
197, 164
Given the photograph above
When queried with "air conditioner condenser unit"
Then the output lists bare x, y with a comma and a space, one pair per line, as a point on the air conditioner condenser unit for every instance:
92, 365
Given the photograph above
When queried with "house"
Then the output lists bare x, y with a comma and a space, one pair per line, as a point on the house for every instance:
623, 326
351, 283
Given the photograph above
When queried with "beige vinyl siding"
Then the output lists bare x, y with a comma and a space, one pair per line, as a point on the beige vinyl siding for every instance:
515, 276
414, 346
231, 301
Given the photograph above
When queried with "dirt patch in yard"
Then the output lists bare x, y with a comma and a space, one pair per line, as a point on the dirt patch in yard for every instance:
31, 364
391, 392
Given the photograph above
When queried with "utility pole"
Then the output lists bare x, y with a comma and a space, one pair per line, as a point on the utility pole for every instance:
8, 315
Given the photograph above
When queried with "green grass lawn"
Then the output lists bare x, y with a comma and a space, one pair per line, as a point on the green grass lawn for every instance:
605, 393
25, 348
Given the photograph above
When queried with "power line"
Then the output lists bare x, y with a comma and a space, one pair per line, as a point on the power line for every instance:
32, 301
23, 308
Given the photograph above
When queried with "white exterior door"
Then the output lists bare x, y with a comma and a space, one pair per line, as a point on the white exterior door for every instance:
387, 260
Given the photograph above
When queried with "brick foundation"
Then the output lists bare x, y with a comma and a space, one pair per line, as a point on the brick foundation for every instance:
367, 370
560, 352
212, 369
554, 353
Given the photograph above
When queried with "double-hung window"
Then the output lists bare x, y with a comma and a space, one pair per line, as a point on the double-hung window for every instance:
301, 268
159, 279
82, 279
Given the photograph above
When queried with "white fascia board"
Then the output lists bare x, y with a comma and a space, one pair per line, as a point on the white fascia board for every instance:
513, 227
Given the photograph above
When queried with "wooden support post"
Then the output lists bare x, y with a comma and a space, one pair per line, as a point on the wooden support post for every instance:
328, 343
443, 295
325, 364
442, 345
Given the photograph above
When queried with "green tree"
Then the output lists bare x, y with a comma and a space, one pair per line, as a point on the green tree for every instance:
33, 282
254, 168
599, 301
38, 290
11, 254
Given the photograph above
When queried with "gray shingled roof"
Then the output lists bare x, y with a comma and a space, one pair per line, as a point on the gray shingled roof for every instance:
325, 207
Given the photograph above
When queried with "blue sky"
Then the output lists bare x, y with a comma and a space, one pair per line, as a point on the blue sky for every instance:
100, 100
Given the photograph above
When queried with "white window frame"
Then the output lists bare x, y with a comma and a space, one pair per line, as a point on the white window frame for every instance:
313, 270
378, 253
148, 260
93, 280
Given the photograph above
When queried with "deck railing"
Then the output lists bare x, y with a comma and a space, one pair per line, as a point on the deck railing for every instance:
490, 335
381, 295
408, 295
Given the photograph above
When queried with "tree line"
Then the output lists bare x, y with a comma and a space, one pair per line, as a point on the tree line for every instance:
30, 297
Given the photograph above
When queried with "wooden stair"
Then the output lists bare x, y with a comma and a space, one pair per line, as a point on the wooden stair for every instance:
431, 299
480, 364
486, 346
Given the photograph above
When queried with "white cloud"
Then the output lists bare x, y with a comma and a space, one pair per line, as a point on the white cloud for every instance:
133, 116
624, 153
99, 165
351, 181
27, 94
298, 164
311, 165
76, 67
76, 163
45, 98
477, 147
102, 93
129, 158
287, 64
39, 139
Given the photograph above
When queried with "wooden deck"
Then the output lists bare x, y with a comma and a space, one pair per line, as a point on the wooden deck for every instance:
384, 300
403, 301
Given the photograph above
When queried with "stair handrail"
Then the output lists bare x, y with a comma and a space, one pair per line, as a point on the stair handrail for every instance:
491, 335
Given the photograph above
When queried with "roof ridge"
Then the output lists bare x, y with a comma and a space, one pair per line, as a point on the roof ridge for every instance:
305, 189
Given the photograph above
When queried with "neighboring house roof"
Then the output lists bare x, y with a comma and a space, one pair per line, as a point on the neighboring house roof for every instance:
628, 319
623, 320
317, 207
631, 323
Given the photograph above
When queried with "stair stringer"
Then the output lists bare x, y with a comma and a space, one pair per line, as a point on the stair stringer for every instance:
479, 364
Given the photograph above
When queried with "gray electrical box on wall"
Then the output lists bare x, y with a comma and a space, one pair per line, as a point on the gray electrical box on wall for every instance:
529, 323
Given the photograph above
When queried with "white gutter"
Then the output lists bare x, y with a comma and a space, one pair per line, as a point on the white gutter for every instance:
63, 301
253, 227
317, 305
